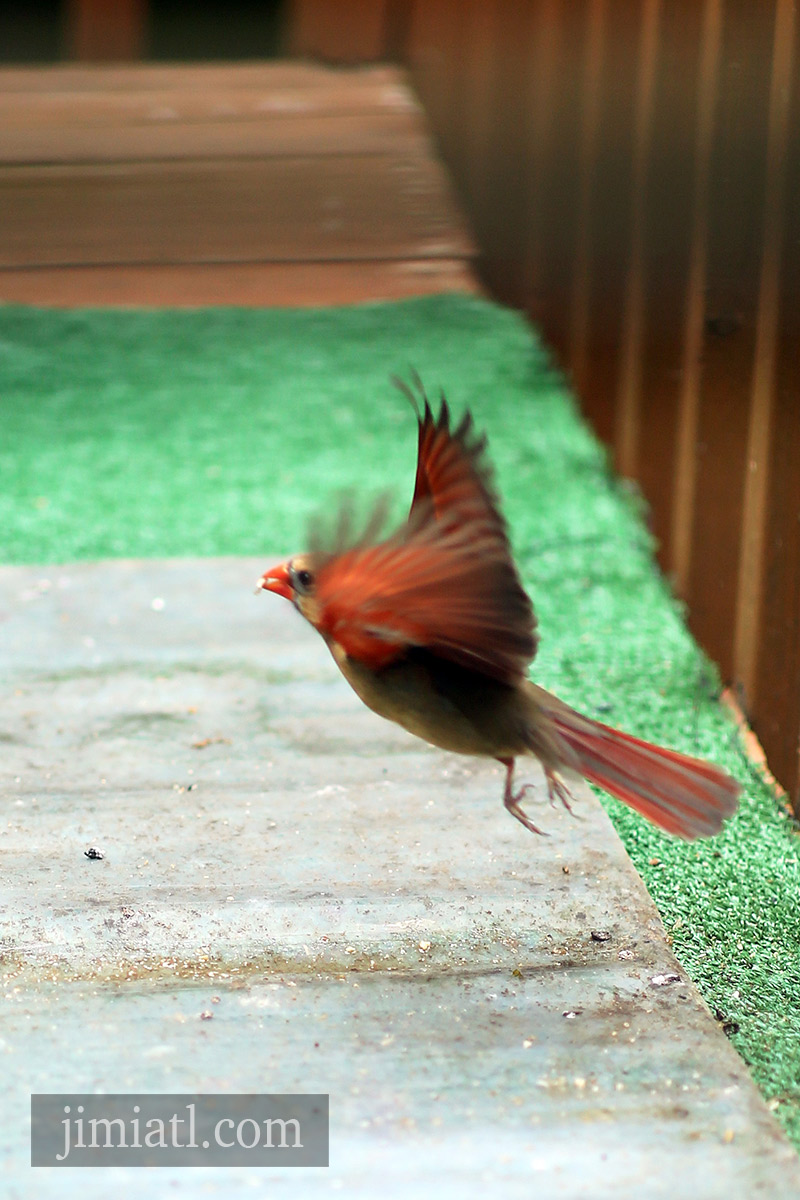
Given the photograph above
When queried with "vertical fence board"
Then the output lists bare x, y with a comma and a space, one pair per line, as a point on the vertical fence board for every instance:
595, 51
775, 703
772, 677
699, 221
603, 241
674, 236
437, 43
558, 200
627, 431
475, 31
321, 28
502, 165
100, 31
781, 129
539, 113
736, 200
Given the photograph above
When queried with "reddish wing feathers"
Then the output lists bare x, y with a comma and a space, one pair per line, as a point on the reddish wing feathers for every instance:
454, 591
453, 474
446, 581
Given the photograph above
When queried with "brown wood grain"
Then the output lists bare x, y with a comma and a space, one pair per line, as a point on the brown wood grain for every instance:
772, 677
438, 38
774, 252
736, 206
279, 209
250, 284
603, 237
628, 434
127, 78
774, 706
685, 92
555, 193
320, 134
499, 117
699, 219
595, 54
774, 702
92, 114
331, 94
286, 183
538, 100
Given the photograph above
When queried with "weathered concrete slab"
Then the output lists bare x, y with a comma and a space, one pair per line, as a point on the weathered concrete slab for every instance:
355, 911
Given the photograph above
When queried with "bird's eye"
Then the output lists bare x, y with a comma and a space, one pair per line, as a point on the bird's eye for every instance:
303, 579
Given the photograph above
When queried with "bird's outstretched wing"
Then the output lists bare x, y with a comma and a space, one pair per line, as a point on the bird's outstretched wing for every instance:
445, 581
453, 591
453, 472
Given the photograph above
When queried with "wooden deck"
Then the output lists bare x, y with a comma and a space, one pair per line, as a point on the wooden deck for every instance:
251, 184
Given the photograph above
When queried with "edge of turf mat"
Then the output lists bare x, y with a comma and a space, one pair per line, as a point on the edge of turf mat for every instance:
153, 433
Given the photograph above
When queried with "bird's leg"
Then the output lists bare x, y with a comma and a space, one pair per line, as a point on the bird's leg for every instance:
557, 790
511, 799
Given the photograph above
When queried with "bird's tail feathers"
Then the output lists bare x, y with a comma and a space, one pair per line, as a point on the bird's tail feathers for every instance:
683, 795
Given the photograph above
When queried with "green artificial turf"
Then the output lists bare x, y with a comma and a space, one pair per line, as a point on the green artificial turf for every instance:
222, 431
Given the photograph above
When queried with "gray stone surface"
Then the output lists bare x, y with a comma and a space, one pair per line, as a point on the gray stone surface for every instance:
354, 909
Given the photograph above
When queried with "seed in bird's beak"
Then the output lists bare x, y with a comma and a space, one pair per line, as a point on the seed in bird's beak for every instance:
277, 580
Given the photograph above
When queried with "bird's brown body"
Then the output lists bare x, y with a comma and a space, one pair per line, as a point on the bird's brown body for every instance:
447, 705
432, 629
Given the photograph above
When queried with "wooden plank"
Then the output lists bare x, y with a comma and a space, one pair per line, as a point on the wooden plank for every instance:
136, 77
400, 133
736, 205
279, 210
113, 108
279, 184
247, 284
324, 29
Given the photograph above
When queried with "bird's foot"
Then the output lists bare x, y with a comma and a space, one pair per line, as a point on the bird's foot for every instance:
512, 804
511, 799
558, 790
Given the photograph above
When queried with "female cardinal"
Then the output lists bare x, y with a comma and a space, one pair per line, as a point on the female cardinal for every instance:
432, 628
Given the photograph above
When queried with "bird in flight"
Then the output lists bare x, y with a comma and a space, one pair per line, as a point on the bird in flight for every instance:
432, 628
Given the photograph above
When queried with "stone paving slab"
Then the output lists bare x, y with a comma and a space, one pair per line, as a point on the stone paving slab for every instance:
354, 909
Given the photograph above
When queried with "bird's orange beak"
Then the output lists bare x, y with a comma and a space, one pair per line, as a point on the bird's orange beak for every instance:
277, 580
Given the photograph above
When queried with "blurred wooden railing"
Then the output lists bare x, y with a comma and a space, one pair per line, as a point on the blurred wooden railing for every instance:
632, 172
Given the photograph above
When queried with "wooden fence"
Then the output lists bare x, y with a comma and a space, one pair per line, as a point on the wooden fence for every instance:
632, 172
